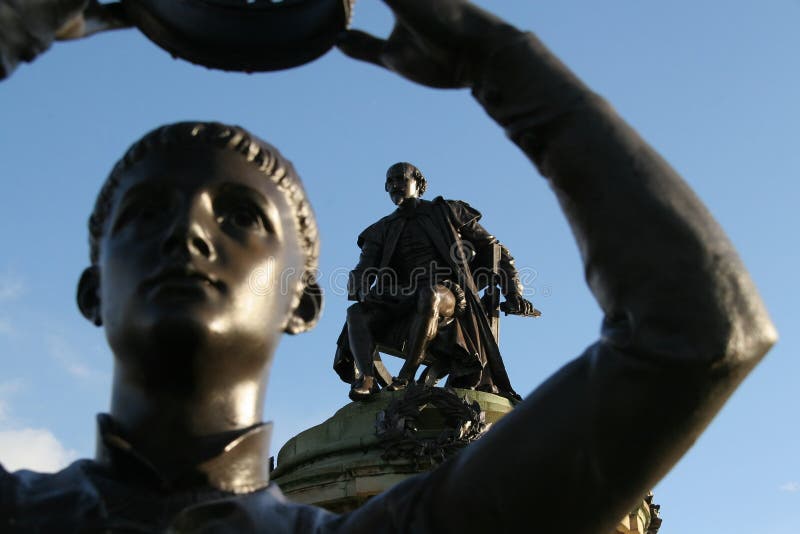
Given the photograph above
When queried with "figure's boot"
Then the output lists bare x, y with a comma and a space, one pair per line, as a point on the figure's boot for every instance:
363, 388
405, 377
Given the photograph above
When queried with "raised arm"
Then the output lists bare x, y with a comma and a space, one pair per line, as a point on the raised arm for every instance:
29, 27
683, 322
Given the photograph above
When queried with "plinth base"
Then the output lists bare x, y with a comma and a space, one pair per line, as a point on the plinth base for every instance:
368, 447
342, 462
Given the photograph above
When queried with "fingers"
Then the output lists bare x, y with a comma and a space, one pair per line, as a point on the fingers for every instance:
96, 18
530, 310
412, 57
362, 46
516, 305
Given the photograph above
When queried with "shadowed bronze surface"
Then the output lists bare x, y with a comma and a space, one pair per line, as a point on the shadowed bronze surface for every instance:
417, 286
246, 36
683, 323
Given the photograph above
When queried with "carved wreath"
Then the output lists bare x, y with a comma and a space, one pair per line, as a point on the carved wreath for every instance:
397, 425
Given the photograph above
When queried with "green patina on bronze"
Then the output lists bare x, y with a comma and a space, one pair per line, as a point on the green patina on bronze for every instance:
341, 463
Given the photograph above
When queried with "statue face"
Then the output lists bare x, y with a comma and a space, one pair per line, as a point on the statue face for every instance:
200, 257
401, 187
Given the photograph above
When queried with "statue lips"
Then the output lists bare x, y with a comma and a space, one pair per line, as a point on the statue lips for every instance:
176, 281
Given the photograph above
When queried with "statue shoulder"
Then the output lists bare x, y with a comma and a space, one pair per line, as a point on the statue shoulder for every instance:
374, 232
461, 212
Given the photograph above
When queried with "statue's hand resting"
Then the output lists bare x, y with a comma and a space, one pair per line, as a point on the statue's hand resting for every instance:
28, 28
440, 43
515, 304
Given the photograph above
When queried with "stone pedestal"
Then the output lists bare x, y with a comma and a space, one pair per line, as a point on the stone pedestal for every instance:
342, 462
636, 522
368, 447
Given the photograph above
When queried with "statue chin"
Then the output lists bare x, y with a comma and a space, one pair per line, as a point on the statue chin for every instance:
242, 36
172, 351
159, 336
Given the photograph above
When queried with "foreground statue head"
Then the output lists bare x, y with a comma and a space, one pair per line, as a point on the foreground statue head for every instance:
203, 249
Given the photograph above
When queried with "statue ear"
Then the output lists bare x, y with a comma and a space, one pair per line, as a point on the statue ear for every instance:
308, 312
89, 295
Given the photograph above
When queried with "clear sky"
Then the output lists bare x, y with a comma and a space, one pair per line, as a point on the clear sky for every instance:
712, 85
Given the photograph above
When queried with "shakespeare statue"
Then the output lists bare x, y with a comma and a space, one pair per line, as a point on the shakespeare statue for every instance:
417, 284
194, 210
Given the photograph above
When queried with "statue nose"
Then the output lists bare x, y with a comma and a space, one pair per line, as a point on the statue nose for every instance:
187, 240
189, 234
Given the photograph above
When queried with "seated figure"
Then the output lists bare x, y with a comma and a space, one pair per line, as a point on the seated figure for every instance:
420, 269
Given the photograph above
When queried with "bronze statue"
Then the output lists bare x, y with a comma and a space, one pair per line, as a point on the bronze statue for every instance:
187, 220
29, 28
427, 261
176, 240
244, 35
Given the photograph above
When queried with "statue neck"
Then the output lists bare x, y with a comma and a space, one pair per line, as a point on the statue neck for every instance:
173, 426
409, 204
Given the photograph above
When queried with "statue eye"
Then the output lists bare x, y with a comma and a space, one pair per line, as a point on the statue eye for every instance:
140, 210
245, 218
242, 209
241, 214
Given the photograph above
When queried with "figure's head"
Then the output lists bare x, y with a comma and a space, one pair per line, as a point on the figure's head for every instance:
404, 181
202, 241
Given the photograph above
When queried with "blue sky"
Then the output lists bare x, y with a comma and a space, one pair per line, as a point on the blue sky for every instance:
712, 85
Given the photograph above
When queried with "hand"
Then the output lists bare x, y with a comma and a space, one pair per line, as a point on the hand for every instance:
438, 43
95, 18
516, 305
28, 28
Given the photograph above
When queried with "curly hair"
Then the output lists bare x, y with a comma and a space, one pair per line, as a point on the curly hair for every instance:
212, 134
406, 169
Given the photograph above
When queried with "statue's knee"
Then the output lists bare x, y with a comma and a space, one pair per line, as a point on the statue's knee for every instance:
447, 301
428, 300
